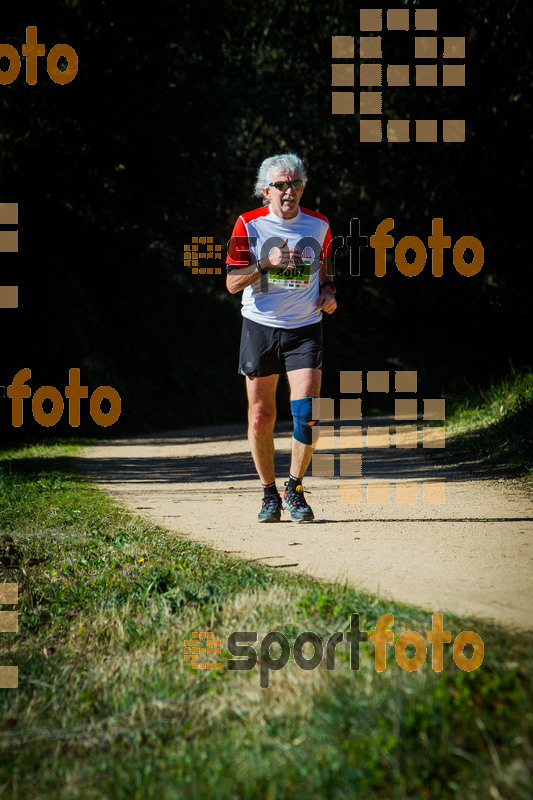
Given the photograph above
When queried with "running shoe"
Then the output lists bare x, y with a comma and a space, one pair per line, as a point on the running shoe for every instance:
294, 501
271, 509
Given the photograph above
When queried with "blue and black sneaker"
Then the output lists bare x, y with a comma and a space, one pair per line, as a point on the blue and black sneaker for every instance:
294, 501
271, 509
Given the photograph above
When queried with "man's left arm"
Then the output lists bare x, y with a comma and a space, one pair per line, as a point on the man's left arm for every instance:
326, 299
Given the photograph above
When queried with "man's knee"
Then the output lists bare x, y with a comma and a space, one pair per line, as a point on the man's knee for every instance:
261, 419
302, 414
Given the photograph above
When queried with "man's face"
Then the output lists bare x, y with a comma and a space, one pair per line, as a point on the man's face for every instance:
284, 203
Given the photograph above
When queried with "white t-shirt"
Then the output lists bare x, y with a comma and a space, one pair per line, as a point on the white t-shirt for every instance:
281, 299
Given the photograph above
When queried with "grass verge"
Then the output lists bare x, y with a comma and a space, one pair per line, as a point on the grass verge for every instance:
107, 707
496, 424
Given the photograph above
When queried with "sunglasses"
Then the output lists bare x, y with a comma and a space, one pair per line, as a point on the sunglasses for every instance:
282, 186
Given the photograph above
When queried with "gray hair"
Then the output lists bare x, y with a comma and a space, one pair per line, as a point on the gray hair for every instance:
288, 161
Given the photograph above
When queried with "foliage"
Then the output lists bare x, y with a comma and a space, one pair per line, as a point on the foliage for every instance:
158, 138
497, 423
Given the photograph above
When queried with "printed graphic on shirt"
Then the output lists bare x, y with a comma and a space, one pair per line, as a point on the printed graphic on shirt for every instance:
296, 277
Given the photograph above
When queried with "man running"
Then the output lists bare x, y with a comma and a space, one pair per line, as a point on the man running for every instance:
284, 294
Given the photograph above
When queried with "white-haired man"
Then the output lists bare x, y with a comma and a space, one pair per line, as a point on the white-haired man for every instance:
284, 295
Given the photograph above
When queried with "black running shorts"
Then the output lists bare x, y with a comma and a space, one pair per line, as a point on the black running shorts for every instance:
271, 351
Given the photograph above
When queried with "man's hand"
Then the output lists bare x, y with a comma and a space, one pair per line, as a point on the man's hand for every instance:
326, 301
280, 258
284, 257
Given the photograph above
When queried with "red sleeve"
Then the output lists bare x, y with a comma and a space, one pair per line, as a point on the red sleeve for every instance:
238, 247
326, 245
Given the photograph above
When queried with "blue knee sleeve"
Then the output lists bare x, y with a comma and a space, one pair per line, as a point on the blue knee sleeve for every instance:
302, 414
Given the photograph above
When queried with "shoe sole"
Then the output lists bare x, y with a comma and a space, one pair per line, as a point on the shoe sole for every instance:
297, 519
270, 519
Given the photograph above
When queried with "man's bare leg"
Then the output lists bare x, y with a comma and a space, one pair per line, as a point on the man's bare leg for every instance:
261, 419
303, 383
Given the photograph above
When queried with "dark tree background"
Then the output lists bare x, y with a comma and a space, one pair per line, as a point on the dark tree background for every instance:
158, 139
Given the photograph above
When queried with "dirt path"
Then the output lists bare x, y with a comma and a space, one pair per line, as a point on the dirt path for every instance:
472, 555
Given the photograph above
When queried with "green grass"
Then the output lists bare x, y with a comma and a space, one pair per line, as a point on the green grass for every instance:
107, 707
496, 424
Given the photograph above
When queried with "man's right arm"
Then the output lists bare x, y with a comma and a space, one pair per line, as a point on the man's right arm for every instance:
240, 263
239, 279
